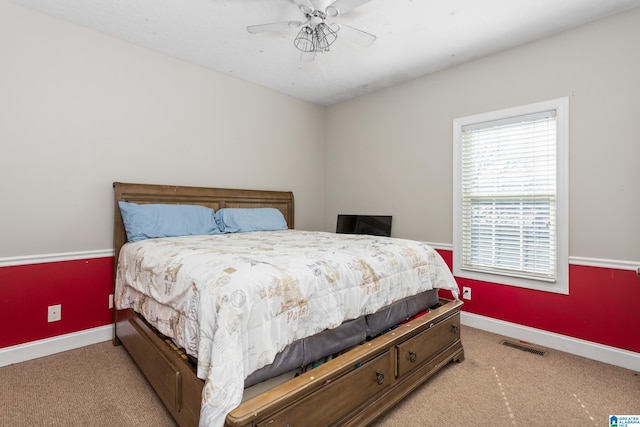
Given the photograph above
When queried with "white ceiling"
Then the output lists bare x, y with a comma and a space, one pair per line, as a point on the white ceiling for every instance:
414, 37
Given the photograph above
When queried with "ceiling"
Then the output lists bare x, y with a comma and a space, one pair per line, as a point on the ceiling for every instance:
414, 37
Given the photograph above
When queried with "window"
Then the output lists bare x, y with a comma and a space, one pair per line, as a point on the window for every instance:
511, 197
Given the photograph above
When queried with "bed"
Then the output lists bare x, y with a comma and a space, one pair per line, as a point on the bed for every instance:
226, 355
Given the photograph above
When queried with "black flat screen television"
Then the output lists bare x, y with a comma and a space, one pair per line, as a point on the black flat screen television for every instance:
376, 225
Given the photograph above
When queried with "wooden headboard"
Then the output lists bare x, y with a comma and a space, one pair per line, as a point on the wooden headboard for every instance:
215, 198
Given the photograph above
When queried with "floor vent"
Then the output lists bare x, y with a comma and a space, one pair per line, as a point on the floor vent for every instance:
524, 348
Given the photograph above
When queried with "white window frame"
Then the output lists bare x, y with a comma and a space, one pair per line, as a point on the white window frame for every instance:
561, 282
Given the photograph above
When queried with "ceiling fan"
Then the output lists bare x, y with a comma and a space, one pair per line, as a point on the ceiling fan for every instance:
316, 35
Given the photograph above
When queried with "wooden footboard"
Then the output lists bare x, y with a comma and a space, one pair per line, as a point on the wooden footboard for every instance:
353, 389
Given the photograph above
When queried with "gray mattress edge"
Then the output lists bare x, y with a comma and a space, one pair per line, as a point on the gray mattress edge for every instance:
351, 333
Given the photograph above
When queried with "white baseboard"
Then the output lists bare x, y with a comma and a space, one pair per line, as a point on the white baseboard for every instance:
46, 347
602, 353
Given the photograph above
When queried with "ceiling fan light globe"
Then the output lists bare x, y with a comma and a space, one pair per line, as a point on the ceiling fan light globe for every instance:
304, 41
325, 35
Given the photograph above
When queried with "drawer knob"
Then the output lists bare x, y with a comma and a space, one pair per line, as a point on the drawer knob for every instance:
412, 356
454, 328
379, 376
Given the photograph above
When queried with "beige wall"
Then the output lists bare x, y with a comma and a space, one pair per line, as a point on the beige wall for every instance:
79, 110
391, 152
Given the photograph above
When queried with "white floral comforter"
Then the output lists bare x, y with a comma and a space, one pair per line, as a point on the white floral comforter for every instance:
235, 300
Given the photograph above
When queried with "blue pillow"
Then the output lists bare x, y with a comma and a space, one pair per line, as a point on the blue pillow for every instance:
238, 220
157, 220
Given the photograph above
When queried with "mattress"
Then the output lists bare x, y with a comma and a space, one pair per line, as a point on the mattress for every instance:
235, 301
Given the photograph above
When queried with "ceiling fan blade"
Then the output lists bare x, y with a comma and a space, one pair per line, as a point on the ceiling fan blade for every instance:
340, 7
353, 34
304, 5
318, 4
274, 26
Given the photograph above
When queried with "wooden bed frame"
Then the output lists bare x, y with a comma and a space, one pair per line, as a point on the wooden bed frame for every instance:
352, 389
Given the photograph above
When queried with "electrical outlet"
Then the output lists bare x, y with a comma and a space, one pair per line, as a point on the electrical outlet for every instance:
466, 293
110, 300
54, 313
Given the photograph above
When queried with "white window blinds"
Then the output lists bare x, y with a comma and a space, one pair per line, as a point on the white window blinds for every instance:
508, 196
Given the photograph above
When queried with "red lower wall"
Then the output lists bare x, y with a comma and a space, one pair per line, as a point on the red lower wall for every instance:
601, 306
81, 286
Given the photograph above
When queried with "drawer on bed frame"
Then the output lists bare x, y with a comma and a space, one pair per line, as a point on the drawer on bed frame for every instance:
173, 379
345, 391
413, 352
342, 396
